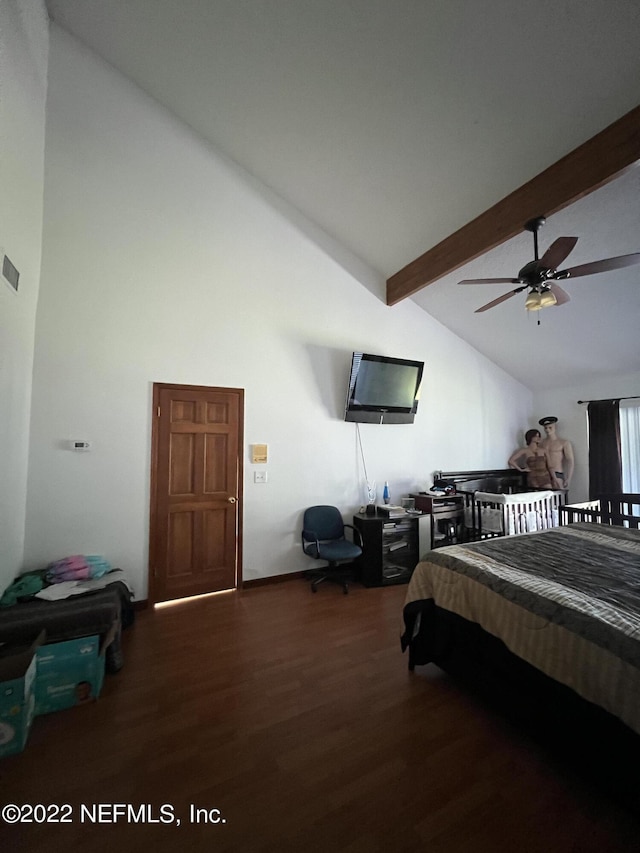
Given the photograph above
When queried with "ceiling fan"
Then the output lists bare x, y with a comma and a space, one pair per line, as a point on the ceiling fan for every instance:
540, 274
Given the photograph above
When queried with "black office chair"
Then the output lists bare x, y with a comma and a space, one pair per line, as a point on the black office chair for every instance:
323, 538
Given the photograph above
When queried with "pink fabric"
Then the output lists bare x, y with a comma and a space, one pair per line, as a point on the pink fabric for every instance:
74, 568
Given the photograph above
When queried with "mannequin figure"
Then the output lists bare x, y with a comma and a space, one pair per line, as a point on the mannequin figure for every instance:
560, 452
537, 463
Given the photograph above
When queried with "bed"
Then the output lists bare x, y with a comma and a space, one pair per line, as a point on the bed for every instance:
546, 623
494, 480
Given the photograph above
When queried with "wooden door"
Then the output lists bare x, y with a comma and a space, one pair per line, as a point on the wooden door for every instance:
196, 482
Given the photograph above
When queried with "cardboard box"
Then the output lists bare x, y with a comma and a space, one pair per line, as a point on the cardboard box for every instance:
68, 673
17, 696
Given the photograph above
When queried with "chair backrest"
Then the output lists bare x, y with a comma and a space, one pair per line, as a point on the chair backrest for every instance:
324, 522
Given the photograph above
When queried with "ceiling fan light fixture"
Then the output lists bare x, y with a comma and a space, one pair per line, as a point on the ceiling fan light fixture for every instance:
540, 299
533, 301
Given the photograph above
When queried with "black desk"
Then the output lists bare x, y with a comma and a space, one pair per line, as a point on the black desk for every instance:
389, 548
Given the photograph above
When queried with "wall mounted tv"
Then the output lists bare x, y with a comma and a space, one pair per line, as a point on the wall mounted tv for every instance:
383, 390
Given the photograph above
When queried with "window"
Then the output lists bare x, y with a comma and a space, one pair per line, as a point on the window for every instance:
630, 445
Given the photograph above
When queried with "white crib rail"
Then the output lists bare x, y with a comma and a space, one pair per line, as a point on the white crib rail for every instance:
505, 515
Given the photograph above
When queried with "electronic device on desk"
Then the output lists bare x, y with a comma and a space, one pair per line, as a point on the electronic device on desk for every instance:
391, 511
409, 505
444, 487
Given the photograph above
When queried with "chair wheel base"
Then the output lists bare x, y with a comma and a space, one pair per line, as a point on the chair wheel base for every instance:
333, 577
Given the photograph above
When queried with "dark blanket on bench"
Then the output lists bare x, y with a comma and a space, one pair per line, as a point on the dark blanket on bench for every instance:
91, 613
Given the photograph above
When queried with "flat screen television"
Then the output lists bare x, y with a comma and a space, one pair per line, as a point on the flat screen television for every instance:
383, 390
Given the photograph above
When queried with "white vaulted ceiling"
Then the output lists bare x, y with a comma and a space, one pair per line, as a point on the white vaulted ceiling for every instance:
392, 123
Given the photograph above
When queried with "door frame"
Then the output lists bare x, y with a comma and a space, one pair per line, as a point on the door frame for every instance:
158, 387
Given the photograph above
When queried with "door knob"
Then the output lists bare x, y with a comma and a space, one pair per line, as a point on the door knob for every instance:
232, 500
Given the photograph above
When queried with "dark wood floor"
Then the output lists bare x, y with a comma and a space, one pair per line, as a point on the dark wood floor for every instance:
295, 716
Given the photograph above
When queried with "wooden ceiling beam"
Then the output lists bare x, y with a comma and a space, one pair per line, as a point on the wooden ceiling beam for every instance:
593, 164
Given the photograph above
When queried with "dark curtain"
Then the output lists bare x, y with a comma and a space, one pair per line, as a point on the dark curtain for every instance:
605, 461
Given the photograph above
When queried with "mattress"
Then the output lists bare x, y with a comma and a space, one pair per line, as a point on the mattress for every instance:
565, 600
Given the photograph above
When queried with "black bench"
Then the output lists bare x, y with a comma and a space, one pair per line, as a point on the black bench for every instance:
103, 612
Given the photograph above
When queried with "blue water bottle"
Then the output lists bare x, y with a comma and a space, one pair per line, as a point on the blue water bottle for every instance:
385, 494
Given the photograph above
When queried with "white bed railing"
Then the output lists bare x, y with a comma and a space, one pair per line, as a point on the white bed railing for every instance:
621, 510
505, 515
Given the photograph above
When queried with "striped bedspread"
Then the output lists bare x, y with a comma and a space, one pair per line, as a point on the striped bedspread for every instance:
566, 600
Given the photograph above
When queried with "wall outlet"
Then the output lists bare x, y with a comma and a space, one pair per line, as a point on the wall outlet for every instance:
259, 476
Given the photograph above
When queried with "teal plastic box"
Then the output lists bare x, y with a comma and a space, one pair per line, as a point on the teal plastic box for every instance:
17, 695
68, 673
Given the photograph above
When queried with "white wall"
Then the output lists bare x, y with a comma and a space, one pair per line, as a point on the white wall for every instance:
572, 418
23, 86
162, 262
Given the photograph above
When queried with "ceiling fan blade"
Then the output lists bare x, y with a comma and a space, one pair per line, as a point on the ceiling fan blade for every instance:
497, 301
490, 281
557, 252
599, 266
561, 295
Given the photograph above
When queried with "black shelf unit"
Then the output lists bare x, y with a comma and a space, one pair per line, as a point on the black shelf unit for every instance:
389, 549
